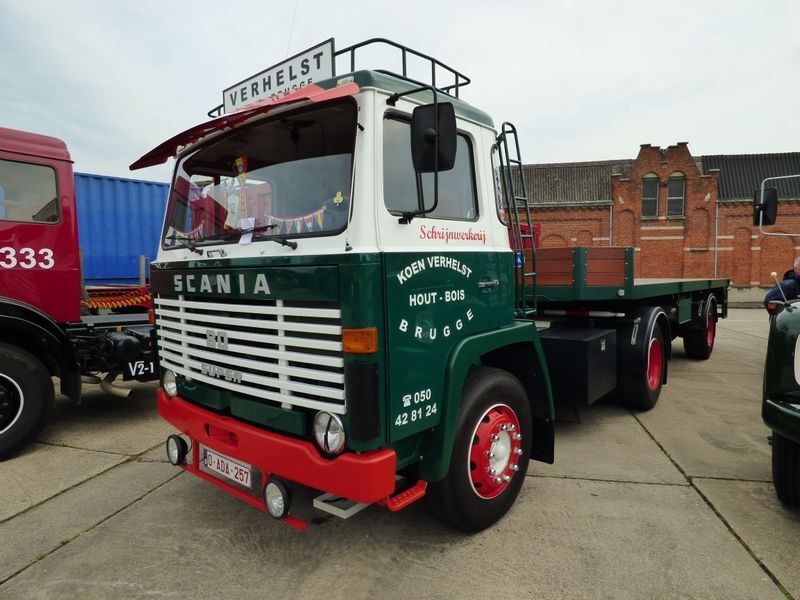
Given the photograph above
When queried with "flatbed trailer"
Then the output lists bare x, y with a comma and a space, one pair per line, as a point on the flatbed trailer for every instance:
579, 293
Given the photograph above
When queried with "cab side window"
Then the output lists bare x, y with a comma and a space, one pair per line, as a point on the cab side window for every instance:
403, 191
28, 193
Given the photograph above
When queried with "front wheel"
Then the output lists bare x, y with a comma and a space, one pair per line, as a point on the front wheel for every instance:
26, 396
786, 469
490, 452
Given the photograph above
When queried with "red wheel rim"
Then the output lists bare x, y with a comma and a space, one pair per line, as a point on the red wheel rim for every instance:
711, 331
496, 448
654, 364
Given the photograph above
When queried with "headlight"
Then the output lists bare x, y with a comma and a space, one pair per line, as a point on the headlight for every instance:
277, 498
329, 432
169, 383
176, 450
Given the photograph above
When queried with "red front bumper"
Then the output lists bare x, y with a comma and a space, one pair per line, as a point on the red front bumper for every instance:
367, 477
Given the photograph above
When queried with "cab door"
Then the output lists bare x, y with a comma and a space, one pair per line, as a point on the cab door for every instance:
39, 259
442, 281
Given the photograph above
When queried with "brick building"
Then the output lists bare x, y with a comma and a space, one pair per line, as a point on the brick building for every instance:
686, 216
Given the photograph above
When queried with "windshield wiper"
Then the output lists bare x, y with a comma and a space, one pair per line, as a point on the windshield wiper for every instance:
241, 231
278, 240
186, 242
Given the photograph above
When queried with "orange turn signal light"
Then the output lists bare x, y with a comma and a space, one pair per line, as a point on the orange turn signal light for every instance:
360, 341
151, 316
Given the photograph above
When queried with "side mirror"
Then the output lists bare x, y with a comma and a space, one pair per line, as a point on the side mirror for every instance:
765, 212
426, 132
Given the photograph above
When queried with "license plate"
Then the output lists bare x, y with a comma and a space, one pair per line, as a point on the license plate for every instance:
140, 370
227, 467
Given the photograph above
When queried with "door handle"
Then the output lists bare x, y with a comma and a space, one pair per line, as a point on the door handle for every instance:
491, 283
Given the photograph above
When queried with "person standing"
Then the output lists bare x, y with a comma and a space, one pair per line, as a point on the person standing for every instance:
788, 288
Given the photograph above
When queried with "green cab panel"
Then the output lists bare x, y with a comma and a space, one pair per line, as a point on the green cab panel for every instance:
434, 301
307, 283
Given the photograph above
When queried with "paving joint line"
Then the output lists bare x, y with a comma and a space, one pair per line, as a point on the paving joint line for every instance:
600, 480
712, 478
68, 541
128, 458
53, 445
713, 508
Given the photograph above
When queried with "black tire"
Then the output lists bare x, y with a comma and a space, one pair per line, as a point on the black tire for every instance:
786, 469
469, 498
26, 397
640, 390
699, 343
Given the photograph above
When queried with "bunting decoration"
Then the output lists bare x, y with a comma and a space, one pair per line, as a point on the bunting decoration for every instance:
295, 224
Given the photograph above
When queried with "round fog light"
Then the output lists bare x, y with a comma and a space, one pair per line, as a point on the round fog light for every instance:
277, 498
176, 450
329, 432
169, 383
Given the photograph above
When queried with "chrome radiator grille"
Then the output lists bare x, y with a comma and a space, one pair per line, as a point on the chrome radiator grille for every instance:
283, 352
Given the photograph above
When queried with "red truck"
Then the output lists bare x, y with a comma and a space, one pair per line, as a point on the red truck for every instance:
42, 331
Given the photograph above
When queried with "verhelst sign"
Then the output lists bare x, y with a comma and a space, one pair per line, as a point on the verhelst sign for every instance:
309, 66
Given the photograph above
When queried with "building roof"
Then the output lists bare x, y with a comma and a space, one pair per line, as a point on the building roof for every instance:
589, 183
584, 183
741, 174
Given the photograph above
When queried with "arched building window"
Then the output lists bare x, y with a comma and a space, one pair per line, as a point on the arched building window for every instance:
676, 193
650, 196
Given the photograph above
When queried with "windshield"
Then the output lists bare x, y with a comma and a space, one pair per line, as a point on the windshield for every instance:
286, 177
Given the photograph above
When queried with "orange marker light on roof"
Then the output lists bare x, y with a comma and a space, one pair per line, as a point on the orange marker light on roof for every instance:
360, 341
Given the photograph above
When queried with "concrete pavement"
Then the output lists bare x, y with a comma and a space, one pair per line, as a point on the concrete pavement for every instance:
675, 502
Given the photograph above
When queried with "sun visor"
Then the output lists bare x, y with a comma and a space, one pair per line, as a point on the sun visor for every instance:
311, 93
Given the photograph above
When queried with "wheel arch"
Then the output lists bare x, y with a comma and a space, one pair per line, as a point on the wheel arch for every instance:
30, 329
518, 343
635, 333
699, 320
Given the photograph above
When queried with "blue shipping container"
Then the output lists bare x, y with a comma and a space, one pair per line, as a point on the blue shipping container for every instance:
118, 221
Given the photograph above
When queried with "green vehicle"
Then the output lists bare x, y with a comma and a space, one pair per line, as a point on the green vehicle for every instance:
348, 298
781, 400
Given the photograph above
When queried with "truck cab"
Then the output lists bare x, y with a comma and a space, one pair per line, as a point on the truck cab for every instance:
38, 226
323, 306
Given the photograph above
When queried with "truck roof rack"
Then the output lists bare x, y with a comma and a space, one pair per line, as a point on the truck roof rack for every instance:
455, 80
450, 81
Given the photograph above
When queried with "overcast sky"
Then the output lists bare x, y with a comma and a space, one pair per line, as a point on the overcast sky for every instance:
588, 80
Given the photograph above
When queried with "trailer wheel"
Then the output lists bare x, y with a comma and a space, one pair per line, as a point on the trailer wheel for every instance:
490, 453
641, 390
786, 469
26, 397
699, 343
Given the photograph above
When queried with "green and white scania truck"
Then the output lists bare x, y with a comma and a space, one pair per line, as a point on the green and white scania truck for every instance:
346, 291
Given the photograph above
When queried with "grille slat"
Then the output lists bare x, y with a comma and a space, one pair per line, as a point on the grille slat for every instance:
258, 393
237, 321
298, 363
304, 342
314, 359
288, 311
267, 367
259, 380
